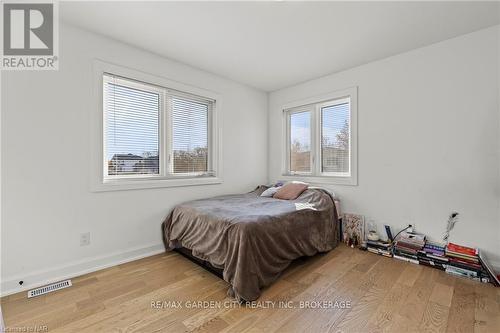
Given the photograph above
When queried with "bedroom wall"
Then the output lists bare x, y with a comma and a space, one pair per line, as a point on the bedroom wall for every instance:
428, 138
46, 197
498, 83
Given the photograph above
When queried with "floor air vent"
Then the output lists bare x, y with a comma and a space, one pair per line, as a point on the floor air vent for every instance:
50, 288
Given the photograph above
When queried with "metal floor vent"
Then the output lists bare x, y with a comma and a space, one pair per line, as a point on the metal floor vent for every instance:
49, 288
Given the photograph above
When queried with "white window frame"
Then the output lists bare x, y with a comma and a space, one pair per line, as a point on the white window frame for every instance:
101, 181
314, 105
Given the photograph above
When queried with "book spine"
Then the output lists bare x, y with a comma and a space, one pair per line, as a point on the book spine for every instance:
377, 246
463, 249
463, 271
433, 251
459, 263
432, 263
380, 252
435, 258
409, 245
462, 275
434, 247
462, 257
405, 254
413, 261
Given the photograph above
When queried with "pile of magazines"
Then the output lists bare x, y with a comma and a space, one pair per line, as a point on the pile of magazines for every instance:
454, 259
407, 246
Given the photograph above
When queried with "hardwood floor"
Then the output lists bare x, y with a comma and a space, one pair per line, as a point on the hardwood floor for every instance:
383, 294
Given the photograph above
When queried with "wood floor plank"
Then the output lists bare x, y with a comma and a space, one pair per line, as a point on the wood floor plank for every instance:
442, 294
461, 318
385, 317
487, 309
435, 317
379, 281
386, 295
410, 275
420, 292
262, 318
350, 290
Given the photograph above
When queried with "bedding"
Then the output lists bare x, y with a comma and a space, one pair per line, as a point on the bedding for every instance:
291, 191
253, 238
270, 191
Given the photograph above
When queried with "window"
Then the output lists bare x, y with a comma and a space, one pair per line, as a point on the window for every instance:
155, 136
335, 137
190, 136
132, 127
300, 141
321, 139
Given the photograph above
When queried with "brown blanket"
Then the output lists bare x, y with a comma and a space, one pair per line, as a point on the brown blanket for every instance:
252, 238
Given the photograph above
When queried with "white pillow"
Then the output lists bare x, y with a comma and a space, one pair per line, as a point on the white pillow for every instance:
270, 191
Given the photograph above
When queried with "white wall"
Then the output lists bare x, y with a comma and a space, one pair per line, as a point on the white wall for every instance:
428, 138
46, 199
498, 83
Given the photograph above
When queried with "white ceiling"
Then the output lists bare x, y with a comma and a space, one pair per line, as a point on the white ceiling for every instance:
271, 45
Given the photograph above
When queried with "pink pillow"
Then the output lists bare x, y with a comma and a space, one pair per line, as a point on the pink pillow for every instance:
290, 191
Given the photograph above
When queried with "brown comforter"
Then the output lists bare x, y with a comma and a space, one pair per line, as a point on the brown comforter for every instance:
252, 238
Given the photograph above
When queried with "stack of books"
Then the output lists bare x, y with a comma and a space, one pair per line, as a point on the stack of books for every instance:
464, 261
379, 247
455, 259
433, 254
408, 245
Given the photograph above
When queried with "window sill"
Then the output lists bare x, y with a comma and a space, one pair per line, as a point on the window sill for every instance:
138, 184
319, 180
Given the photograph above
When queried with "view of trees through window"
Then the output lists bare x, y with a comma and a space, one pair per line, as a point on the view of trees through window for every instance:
190, 136
300, 142
335, 134
335, 138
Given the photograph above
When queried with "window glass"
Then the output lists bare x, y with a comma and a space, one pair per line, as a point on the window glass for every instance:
190, 136
132, 130
335, 136
300, 142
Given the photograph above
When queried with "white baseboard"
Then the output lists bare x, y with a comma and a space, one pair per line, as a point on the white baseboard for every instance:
36, 279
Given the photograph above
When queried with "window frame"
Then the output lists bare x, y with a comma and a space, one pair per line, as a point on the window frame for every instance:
101, 181
315, 105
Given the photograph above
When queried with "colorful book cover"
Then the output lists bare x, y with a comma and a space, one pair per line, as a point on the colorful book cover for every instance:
405, 254
462, 249
435, 246
462, 257
434, 251
459, 261
462, 271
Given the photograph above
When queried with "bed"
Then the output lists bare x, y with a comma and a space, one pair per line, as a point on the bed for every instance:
252, 239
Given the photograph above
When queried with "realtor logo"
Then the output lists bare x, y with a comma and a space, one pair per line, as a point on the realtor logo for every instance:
29, 36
